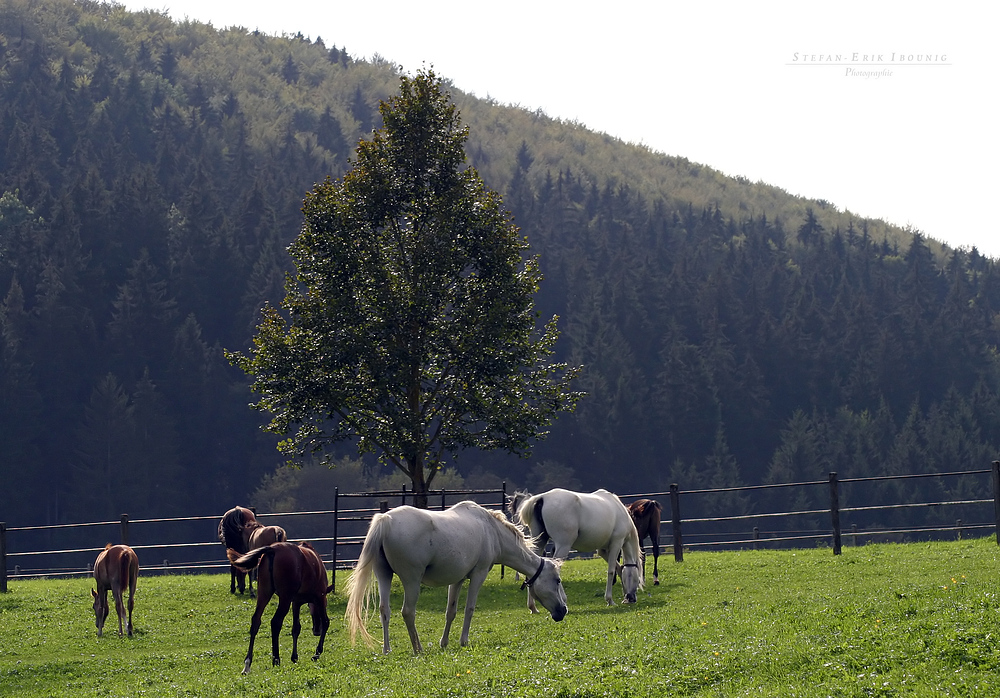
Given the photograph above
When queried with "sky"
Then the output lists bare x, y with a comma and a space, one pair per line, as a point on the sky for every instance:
886, 109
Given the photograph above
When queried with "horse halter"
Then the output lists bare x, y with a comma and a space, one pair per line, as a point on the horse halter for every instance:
529, 582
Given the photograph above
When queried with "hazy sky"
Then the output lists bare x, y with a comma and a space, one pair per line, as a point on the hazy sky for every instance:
886, 109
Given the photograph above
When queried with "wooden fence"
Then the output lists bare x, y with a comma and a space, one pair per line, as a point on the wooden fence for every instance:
68, 549
986, 508
164, 545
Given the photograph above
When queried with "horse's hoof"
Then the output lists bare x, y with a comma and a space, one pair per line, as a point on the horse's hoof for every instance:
315, 657
656, 582
275, 661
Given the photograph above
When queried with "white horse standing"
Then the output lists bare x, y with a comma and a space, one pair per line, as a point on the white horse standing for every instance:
586, 522
443, 548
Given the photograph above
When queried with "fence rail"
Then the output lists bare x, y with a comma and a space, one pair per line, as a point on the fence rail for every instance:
51, 547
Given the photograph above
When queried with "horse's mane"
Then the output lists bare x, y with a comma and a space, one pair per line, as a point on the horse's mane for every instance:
232, 525
514, 529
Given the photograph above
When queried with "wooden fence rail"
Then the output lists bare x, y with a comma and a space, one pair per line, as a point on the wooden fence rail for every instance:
348, 526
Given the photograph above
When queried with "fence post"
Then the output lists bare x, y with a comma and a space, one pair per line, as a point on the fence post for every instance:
675, 516
3, 557
443, 507
996, 497
835, 512
756, 536
336, 519
503, 510
124, 528
403, 502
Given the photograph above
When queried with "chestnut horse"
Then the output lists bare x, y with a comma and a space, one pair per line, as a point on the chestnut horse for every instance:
240, 530
117, 567
646, 517
297, 575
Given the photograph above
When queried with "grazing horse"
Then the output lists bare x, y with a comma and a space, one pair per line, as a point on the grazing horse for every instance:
513, 502
585, 522
646, 517
240, 530
443, 548
117, 568
297, 575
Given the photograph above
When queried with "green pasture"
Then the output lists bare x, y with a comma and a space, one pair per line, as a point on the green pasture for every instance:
917, 619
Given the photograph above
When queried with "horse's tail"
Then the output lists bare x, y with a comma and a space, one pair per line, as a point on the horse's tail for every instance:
531, 516
125, 568
654, 525
133, 577
648, 506
249, 561
361, 585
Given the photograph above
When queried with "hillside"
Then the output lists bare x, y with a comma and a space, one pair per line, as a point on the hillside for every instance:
151, 175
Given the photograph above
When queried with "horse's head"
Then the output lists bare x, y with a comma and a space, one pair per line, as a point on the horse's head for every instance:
101, 610
317, 609
321, 621
632, 581
546, 586
515, 501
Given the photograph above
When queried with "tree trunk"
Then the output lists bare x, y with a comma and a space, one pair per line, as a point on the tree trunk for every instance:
419, 483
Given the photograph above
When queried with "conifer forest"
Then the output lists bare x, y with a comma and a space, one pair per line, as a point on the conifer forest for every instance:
152, 177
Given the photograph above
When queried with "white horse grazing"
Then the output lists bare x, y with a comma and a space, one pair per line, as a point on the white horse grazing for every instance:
586, 522
443, 548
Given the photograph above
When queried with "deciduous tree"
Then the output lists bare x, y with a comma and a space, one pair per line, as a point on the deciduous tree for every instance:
410, 321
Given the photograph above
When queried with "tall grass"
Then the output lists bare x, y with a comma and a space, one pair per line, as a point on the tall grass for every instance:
918, 619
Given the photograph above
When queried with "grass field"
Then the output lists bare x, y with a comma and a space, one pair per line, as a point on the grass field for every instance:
918, 619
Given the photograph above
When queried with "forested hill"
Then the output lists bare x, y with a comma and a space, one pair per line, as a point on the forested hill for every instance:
151, 177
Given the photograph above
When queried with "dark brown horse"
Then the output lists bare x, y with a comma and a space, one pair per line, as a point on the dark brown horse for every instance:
646, 517
116, 569
297, 575
240, 530
231, 535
